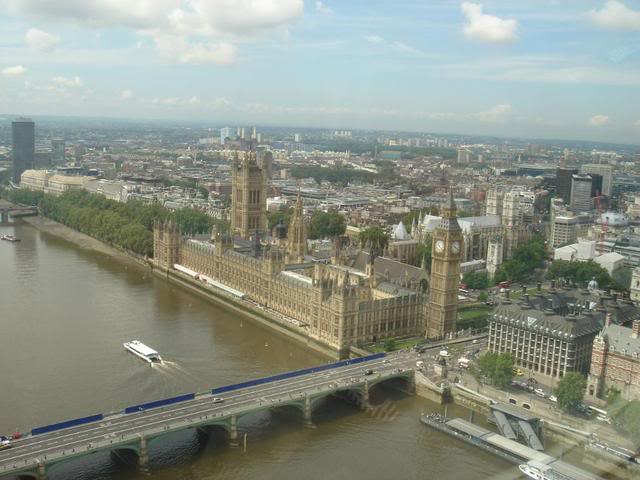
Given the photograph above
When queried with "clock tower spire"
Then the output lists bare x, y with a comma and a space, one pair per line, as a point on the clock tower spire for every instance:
445, 273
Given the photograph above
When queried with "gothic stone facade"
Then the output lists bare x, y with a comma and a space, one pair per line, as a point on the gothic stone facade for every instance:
341, 306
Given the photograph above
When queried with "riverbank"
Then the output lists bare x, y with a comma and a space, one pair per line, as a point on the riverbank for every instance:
81, 240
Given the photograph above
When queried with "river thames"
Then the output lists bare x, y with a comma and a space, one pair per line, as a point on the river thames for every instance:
65, 313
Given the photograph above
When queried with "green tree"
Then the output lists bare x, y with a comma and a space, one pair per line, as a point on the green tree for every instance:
581, 273
282, 214
326, 225
483, 296
613, 395
628, 420
570, 391
524, 261
375, 236
424, 253
476, 280
389, 345
498, 367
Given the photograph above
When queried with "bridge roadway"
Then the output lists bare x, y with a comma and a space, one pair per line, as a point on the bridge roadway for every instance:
32, 455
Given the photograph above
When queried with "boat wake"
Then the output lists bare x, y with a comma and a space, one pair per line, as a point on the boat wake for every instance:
176, 371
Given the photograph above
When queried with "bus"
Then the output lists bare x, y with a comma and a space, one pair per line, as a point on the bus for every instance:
601, 415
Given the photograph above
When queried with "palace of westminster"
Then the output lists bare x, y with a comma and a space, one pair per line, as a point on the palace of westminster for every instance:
358, 298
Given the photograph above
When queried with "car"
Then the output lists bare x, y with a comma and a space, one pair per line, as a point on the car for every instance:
540, 392
518, 372
4, 444
553, 398
369, 372
217, 400
386, 361
475, 340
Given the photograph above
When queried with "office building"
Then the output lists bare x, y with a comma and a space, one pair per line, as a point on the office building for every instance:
581, 193
605, 171
225, 133
58, 152
23, 146
563, 183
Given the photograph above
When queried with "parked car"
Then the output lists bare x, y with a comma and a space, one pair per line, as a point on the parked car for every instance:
539, 392
553, 398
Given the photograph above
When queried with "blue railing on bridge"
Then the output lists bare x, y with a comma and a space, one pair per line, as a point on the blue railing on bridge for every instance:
295, 373
190, 396
69, 423
160, 403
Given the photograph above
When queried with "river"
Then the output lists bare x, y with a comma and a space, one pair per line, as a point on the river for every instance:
64, 314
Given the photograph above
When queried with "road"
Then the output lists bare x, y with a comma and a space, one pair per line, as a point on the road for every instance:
121, 429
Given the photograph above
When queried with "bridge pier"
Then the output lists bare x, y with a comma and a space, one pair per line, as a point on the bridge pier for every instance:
143, 455
233, 432
42, 472
307, 412
364, 404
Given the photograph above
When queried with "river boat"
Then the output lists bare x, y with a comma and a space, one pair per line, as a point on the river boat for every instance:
146, 353
9, 238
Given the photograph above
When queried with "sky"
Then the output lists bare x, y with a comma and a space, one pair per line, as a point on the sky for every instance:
564, 69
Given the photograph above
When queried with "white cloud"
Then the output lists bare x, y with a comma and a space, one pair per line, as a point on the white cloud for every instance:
40, 40
374, 39
599, 120
403, 47
73, 82
14, 71
321, 7
126, 94
202, 31
615, 15
498, 114
487, 28
221, 102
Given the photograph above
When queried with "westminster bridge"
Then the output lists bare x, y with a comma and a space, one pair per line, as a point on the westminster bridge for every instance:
135, 428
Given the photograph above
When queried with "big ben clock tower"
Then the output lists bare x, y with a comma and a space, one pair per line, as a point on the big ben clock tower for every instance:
445, 273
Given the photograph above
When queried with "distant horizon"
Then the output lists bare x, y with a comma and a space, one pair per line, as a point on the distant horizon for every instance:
218, 125
530, 69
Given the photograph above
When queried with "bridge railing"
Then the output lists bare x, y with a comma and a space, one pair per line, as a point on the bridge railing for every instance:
190, 396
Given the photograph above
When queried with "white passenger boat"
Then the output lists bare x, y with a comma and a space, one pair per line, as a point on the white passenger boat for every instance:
139, 349
540, 471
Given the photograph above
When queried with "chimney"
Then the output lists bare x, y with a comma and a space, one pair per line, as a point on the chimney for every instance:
635, 329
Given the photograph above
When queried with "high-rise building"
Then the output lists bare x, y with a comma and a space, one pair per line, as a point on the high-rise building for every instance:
445, 273
297, 137
606, 171
57, 152
581, 193
249, 205
563, 183
225, 133
23, 146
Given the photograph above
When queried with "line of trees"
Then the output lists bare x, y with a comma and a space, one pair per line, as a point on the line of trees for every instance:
581, 273
127, 225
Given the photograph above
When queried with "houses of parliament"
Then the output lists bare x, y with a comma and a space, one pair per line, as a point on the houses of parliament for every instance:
358, 298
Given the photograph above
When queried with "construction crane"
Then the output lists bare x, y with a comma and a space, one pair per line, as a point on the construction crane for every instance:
604, 223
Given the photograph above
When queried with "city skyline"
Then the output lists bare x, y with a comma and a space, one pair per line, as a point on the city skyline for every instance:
535, 69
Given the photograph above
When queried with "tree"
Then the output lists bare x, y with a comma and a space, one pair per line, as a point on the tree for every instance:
424, 252
498, 367
374, 236
628, 420
476, 280
570, 391
613, 395
524, 261
581, 273
326, 225
389, 345
483, 297
282, 214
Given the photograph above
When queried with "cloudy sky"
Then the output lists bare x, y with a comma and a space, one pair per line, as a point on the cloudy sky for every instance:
536, 68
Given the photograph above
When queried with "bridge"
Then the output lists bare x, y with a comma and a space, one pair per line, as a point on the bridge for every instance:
135, 428
15, 212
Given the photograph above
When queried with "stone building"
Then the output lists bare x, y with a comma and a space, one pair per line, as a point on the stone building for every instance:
553, 333
401, 246
249, 200
615, 361
344, 303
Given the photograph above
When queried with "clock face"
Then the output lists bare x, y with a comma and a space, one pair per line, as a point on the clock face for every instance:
440, 246
455, 247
